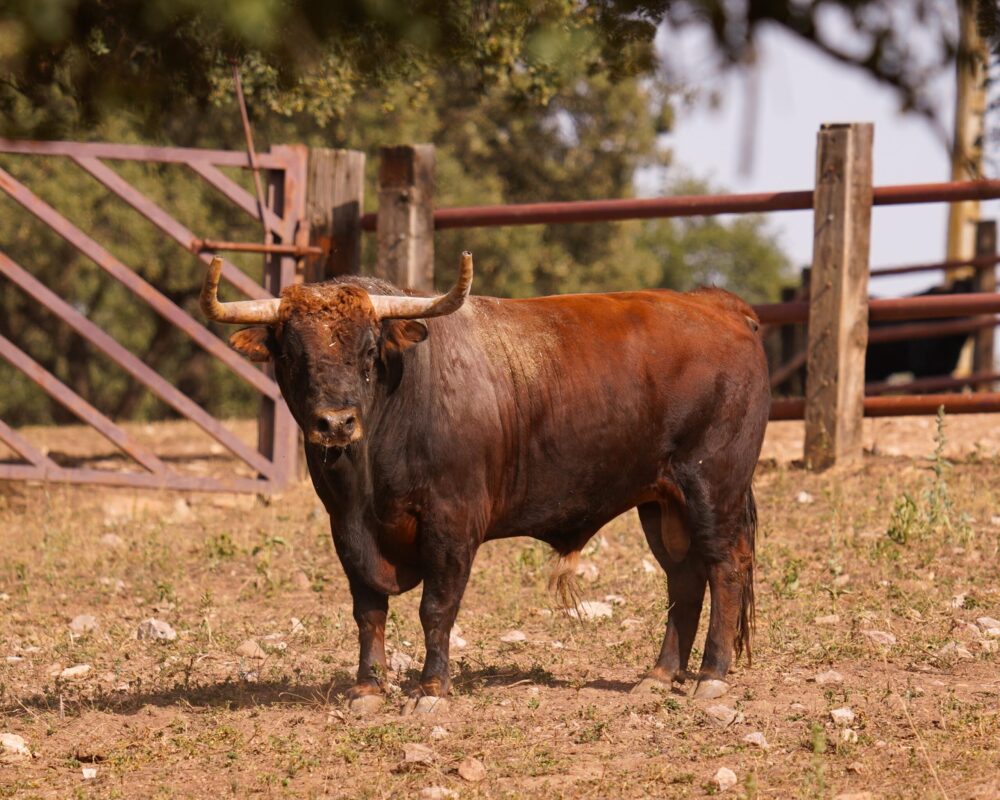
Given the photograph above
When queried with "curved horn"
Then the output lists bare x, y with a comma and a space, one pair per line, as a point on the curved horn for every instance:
244, 312
397, 307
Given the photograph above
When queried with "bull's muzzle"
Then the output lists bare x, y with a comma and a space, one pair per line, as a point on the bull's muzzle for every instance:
335, 427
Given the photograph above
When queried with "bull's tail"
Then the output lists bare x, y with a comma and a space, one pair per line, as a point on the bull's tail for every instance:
563, 582
746, 623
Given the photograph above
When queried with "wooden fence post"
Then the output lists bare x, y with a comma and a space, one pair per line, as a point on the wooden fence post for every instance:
335, 197
405, 227
838, 308
985, 280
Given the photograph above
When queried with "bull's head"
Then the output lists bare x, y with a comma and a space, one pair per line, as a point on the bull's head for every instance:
332, 345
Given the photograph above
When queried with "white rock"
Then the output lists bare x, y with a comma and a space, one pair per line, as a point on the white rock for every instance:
989, 646
4, 597
250, 649
990, 626
591, 609
456, 641
13, 746
842, 580
829, 619
512, 637
89, 773
798, 708
614, 599
724, 779
112, 540
757, 739
631, 622
155, 630
418, 754
649, 567
301, 581
366, 704
854, 796
83, 623
955, 650
298, 629
995, 520
471, 769
882, 638
399, 661
848, 736
426, 705
958, 601
804, 498
588, 571
274, 643
437, 732
842, 716
723, 716
70, 673
438, 793
14, 659
829, 677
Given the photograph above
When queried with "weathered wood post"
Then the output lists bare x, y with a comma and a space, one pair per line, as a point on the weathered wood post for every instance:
985, 281
838, 308
335, 197
405, 227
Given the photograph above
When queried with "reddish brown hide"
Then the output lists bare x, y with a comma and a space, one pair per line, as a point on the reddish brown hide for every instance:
546, 418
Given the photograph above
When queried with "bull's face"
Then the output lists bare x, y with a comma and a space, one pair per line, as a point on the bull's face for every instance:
334, 346
332, 356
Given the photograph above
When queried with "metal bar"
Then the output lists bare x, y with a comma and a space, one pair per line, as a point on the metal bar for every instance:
925, 306
166, 223
136, 284
251, 152
23, 447
183, 483
792, 408
55, 388
930, 330
789, 368
978, 262
136, 152
299, 251
936, 383
132, 364
237, 194
689, 205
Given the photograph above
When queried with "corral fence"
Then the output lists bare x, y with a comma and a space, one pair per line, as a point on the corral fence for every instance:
312, 220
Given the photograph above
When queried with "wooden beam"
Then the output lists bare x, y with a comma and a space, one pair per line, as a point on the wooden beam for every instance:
985, 280
405, 226
838, 310
335, 196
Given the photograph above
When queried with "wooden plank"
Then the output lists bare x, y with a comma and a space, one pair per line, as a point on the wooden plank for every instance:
838, 310
137, 152
139, 480
335, 195
985, 281
405, 227
23, 447
237, 194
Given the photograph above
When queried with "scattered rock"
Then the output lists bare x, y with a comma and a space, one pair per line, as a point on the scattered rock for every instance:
588, 571
856, 767
988, 645
400, 662
854, 796
471, 769
882, 638
831, 676
849, 736
798, 708
512, 637
71, 673
591, 609
83, 623
990, 626
723, 716
14, 659
298, 629
113, 540
180, 512
614, 599
757, 739
804, 498
155, 630
955, 650
438, 793
842, 716
648, 566
274, 643
437, 732
417, 755
250, 649
958, 601
426, 705
366, 704
4, 597
13, 747
89, 773
829, 619
455, 640
301, 581
842, 580
724, 779
631, 622
710, 689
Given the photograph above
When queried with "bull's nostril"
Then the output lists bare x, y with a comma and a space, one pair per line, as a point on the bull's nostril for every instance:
348, 424
323, 424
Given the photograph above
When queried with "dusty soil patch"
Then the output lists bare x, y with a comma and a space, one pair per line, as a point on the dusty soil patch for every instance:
904, 545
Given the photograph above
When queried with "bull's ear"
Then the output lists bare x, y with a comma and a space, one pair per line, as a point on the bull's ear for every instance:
402, 334
252, 343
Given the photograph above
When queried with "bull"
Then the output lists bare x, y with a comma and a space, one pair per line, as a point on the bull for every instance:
435, 424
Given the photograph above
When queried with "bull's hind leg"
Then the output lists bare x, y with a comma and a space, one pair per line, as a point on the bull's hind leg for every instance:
686, 578
730, 580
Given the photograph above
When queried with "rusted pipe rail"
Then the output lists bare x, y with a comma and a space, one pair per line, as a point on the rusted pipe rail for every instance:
976, 262
930, 306
297, 250
793, 408
934, 384
687, 205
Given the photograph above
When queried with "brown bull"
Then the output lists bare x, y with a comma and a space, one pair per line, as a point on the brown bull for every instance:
433, 425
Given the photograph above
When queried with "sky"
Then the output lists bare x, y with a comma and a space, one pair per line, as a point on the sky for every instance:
799, 88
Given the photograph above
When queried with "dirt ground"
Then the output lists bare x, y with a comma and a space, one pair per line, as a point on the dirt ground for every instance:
875, 589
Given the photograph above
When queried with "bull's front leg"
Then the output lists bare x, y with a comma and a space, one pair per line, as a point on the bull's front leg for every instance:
370, 609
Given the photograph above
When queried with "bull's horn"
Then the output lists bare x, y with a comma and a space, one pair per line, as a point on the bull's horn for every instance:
397, 307
244, 312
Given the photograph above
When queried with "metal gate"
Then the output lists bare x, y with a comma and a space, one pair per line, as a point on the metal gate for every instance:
286, 237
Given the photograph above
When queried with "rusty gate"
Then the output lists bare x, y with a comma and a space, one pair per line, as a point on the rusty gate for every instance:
286, 237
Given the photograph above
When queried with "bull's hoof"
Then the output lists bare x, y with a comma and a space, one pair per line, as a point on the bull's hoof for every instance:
425, 705
366, 704
709, 689
651, 686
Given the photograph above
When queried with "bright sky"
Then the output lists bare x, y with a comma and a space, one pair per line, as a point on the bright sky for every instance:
799, 89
